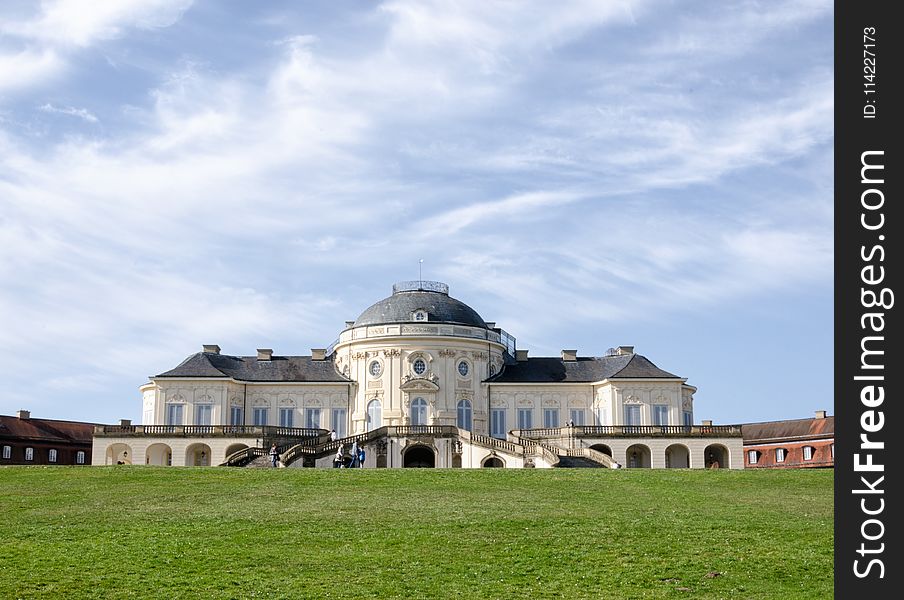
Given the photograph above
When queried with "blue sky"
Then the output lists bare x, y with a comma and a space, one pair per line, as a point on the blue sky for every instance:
586, 174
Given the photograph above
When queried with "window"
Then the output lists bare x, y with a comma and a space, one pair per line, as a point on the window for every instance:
338, 421
312, 418
52, 455
577, 416
497, 423
261, 416
464, 414
660, 414
236, 415
375, 368
808, 452
525, 418
832, 449
148, 417
753, 457
419, 366
203, 413
550, 417
420, 315
419, 411
374, 415
688, 418
632, 414
463, 369
174, 414
602, 416
7, 451
80, 457
29, 454
287, 416
780, 454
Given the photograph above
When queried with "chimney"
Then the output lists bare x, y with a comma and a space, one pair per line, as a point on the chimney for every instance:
23, 414
264, 354
707, 422
125, 422
211, 348
820, 414
569, 355
521, 355
626, 350
318, 353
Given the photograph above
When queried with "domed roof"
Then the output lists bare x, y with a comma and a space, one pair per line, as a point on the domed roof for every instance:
409, 297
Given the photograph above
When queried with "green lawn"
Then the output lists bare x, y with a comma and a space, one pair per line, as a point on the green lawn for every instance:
148, 532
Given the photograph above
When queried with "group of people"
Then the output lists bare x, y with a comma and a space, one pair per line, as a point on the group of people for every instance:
353, 460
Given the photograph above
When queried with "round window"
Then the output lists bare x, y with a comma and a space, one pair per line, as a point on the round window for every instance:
375, 368
463, 368
419, 366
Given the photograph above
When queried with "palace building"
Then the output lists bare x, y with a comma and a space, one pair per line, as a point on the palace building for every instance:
420, 379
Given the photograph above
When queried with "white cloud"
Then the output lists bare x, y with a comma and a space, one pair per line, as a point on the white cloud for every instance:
81, 113
27, 68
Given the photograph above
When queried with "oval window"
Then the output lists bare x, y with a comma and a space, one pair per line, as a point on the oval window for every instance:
375, 368
419, 366
463, 368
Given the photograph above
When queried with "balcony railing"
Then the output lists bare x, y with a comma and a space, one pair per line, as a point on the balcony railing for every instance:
263, 431
633, 431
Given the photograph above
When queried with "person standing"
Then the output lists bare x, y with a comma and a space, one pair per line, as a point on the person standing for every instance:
337, 461
274, 455
354, 462
332, 435
361, 456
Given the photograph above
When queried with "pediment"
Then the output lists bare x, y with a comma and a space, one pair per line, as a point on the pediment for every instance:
419, 385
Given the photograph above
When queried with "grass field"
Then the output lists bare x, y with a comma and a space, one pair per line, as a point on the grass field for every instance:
146, 532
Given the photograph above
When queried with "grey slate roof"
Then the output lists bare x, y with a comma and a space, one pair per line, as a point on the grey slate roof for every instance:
440, 308
582, 370
249, 368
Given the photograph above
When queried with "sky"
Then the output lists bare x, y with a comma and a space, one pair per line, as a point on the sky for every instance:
587, 174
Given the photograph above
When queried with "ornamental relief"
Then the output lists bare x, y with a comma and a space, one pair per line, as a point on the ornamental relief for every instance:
550, 402
359, 355
390, 352
631, 399
686, 403
498, 403
526, 403
447, 353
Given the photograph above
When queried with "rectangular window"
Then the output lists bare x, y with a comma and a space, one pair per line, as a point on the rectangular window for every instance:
688, 418
51, 455
752, 456
174, 414
148, 418
525, 418
779, 455
550, 417
80, 457
7, 451
203, 413
602, 416
29, 454
577, 416
236, 415
261, 416
287, 417
660, 414
497, 423
808, 453
338, 422
312, 418
632, 414
832, 447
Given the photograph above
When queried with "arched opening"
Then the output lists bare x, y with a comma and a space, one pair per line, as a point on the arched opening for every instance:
233, 448
493, 462
677, 456
419, 457
374, 415
418, 411
159, 455
464, 414
119, 454
638, 457
602, 448
716, 457
197, 455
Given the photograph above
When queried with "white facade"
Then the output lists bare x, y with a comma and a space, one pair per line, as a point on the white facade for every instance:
421, 371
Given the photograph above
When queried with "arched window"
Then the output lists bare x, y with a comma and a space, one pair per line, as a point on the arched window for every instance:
374, 415
464, 414
418, 411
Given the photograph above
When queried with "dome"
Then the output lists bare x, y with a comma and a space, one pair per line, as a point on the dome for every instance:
430, 297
